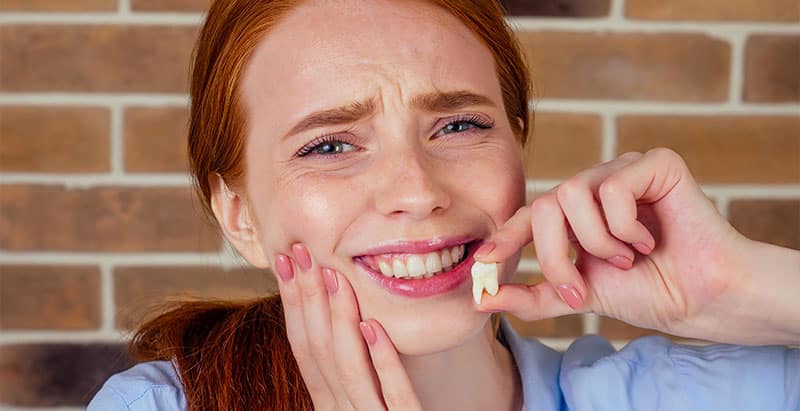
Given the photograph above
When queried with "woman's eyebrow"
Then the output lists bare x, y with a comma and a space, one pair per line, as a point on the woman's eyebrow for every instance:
437, 101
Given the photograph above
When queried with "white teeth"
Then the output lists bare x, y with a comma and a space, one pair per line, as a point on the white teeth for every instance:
483, 276
399, 269
416, 268
447, 261
457, 252
386, 269
433, 263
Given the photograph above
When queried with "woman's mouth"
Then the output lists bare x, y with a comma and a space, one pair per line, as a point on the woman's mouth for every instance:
433, 269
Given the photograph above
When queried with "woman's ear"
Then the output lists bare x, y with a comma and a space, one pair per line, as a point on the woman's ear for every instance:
237, 224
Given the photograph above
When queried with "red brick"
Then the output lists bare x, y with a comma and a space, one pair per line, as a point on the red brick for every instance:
563, 144
34, 218
49, 297
557, 8
58, 5
710, 10
772, 69
54, 139
614, 329
138, 290
57, 375
569, 326
96, 58
723, 148
771, 221
628, 66
170, 5
155, 139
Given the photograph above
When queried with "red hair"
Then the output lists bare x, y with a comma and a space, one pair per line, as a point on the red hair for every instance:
235, 355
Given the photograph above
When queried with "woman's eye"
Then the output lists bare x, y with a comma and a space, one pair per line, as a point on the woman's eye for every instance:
460, 126
327, 148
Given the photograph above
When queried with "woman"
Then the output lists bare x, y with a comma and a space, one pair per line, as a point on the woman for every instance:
369, 152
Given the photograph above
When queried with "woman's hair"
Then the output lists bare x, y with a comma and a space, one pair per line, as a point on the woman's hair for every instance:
234, 355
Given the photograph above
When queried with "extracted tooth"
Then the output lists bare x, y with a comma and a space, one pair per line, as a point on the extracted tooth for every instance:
386, 269
416, 268
483, 276
433, 264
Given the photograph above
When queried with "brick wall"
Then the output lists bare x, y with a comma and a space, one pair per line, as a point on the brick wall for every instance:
96, 216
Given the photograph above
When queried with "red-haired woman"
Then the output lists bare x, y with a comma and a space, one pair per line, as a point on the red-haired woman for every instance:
369, 152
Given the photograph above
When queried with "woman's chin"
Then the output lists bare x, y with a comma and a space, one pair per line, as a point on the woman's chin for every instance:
426, 333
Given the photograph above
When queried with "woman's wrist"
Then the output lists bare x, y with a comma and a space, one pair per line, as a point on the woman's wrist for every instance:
762, 307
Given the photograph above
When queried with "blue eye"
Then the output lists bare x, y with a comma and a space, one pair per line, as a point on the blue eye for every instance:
461, 125
326, 145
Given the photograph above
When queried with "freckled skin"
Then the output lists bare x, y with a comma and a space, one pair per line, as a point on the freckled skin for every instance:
402, 182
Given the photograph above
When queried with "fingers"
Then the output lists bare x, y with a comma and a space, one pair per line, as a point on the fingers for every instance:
292, 301
398, 393
356, 374
509, 238
527, 302
317, 319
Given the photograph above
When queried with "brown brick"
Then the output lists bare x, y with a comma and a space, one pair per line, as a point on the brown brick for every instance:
614, 329
155, 139
563, 144
51, 375
137, 290
54, 139
772, 69
709, 10
49, 297
137, 219
58, 5
95, 58
721, 149
557, 8
771, 221
170, 5
628, 66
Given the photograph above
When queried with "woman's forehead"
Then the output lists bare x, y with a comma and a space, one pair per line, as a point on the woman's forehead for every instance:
322, 56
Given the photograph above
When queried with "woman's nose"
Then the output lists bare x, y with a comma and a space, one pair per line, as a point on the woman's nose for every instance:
410, 186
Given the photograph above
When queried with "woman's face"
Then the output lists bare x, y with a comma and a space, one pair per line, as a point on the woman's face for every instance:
420, 150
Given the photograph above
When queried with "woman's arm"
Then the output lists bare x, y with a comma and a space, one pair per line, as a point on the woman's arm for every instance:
762, 308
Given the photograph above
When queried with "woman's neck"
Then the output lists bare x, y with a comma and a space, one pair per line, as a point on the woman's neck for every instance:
478, 375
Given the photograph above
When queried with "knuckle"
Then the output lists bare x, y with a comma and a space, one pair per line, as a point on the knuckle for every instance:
630, 155
570, 189
319, 349
544, 204
610, 187
310, 292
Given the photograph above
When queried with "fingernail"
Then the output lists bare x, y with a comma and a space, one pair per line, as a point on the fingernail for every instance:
368, 333
621, 261
484, 249
642, 248
301, 256
570, 296
284, 267
330, 280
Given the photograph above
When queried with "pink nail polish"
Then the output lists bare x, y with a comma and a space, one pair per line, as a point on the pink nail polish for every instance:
484, 249
368, 333
284, 267
331, 283
621, 261
301, 256
642, 248
570, 295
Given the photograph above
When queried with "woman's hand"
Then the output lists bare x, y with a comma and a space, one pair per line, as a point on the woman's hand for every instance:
688, 276
322, 323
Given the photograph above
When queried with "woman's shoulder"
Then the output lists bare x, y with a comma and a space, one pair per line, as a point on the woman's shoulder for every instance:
152, 385
654, 371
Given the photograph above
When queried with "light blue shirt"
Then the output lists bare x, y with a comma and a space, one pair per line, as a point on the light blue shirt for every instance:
650, 373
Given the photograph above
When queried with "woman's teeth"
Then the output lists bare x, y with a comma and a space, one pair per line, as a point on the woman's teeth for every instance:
416, 265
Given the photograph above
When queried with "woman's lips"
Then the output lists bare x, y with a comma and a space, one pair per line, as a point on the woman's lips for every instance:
425, 287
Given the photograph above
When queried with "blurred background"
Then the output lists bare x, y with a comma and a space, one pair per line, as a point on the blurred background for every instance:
97, 220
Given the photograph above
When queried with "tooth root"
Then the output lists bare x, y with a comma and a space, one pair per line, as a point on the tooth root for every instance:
477, 291
483, 276
433, 263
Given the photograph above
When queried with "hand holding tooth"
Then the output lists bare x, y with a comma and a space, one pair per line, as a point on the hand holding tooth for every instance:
484, 276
